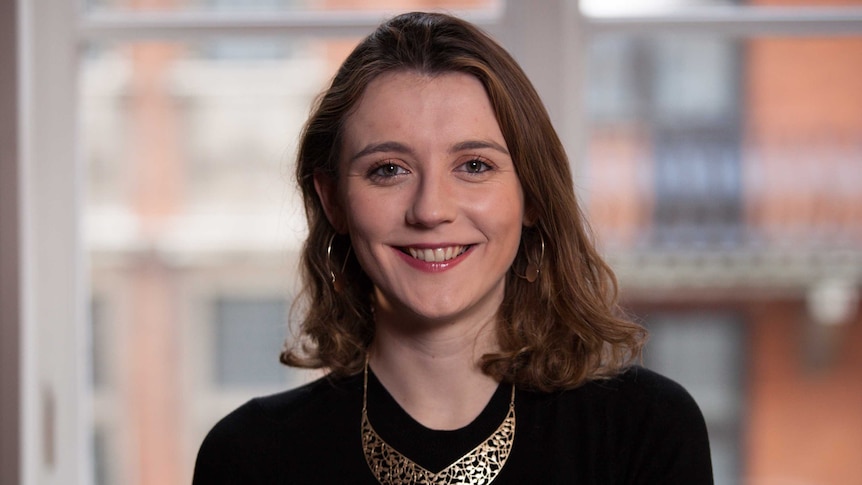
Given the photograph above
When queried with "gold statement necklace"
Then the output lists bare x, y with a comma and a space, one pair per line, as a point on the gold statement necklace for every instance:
480, 466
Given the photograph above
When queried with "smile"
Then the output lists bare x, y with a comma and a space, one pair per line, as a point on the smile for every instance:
436, 255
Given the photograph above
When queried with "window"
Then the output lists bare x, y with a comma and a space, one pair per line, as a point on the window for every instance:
205, 104
676, 98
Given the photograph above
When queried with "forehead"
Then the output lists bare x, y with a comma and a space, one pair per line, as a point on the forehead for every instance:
388, 86
400, 102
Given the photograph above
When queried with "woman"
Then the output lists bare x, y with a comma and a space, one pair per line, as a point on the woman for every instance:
467, 324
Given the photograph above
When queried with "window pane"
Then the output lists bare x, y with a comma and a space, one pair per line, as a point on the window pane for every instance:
705, 353
192, 227
699, 141
249, 333
283, 5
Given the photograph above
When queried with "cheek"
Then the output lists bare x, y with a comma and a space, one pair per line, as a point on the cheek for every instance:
369, 221
504, 206
357, 205
501, 218
512, 219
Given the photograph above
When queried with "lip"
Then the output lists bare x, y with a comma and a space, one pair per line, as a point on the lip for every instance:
433, 267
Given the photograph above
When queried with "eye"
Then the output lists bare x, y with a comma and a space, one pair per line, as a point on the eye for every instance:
476, 165
387, 170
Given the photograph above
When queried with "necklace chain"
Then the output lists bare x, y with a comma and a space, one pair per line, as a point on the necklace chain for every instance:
479, 466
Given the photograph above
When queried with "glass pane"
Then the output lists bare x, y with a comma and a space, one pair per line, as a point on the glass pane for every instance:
705, 142
249, 334
705, 353
283, 5
192, 226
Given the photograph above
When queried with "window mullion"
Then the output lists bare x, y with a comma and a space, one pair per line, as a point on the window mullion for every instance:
736, 20
55, 422
141, 25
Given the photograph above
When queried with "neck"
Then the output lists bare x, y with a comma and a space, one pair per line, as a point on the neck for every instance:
433, 373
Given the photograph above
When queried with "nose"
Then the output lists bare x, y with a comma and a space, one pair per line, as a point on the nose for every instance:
433, 202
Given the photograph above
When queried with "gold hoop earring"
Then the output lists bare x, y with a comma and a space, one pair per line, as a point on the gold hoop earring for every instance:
337, 279
531, 273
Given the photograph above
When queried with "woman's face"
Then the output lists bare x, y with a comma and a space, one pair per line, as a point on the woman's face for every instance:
429, 195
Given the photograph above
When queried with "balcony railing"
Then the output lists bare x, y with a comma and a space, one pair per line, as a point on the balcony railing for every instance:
771, 212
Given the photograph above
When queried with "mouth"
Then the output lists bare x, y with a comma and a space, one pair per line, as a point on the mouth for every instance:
435, 255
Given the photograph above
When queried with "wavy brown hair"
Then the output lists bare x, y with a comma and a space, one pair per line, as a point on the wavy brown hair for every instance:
554, 333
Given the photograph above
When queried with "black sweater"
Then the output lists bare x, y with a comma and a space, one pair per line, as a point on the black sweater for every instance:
638, 428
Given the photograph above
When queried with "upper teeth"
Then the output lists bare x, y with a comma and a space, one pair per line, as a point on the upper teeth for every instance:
437, 255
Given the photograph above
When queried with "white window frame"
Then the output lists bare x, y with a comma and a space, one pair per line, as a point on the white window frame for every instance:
54, 434
48, 392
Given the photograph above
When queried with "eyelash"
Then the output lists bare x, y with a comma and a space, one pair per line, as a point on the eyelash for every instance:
474, 166
376, 171
483, 166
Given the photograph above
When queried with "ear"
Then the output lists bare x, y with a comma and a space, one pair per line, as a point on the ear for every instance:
531, 215
327, 191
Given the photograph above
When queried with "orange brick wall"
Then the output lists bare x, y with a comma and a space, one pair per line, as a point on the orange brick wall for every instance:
804, 86
804, 422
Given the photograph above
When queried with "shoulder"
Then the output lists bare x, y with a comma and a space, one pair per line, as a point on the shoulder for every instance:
264, 430
637, 393
280, 408
636, 379
660, 425
641, 386
636, 427
296, 404
642, 395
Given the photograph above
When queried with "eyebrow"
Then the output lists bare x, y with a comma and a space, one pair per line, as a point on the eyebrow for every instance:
395, 147
478, 144
385, 147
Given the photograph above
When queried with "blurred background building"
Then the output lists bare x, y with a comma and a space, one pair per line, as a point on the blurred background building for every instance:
716, 146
